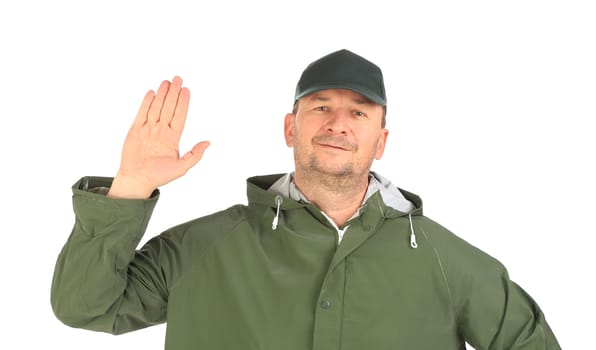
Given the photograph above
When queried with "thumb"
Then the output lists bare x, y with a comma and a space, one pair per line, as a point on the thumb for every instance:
193, 156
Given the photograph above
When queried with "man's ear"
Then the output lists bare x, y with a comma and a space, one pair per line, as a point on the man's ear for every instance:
289, 129
381, 143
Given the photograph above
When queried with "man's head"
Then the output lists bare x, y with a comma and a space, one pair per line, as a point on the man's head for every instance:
337, 126
343, 69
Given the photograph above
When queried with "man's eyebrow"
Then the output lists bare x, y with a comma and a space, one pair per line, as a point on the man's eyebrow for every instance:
361, 100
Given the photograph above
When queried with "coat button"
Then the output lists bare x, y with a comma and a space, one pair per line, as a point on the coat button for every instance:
325, 304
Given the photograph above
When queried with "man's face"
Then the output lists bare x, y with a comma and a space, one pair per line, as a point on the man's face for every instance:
336, 132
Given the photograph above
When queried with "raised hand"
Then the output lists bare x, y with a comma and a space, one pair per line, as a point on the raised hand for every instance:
150, 156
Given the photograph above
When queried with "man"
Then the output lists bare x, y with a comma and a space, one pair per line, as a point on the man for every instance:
330, 256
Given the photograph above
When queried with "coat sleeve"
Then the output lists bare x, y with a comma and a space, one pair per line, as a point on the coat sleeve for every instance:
495, 313
492, 311
100, 281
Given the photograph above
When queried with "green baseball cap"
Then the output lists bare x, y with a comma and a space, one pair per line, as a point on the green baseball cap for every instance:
343, 69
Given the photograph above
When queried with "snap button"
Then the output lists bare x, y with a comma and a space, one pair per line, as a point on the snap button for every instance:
325, 304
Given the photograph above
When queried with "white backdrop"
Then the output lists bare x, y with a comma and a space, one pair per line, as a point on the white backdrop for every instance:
490, 116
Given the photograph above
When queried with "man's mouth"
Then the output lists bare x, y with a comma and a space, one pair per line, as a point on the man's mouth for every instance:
334, 143
333, 146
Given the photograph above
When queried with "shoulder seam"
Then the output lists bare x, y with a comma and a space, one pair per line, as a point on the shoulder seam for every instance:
211, 244
443, 273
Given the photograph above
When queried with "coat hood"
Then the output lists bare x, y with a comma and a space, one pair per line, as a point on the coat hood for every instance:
260, 191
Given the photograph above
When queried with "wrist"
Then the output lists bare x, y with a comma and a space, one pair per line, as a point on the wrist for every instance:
130, 188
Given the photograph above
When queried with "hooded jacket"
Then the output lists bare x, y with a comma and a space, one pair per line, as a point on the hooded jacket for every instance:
273, 275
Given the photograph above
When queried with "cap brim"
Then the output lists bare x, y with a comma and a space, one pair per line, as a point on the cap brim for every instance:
354, 87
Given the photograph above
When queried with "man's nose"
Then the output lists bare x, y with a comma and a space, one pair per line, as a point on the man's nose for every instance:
338, 122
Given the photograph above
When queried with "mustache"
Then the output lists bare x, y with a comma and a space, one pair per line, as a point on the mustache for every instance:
334, 141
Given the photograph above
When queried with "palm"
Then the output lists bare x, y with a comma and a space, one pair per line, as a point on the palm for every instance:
150, 156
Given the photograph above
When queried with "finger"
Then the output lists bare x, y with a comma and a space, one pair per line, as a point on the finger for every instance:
167, 111
181, 111
141, 118
193, 156
155, 109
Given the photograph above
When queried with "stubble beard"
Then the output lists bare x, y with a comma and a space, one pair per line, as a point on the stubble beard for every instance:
339, 179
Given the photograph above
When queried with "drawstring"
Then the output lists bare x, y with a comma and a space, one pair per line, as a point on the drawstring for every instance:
278, 201
413, 243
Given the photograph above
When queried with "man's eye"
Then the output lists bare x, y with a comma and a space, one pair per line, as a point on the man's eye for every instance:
359, 114
321, 108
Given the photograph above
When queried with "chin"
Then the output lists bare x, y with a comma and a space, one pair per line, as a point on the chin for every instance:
339, 171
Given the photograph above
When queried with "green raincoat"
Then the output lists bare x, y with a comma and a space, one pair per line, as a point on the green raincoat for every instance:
232, 280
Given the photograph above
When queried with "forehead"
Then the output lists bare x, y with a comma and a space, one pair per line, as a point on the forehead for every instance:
336, 94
